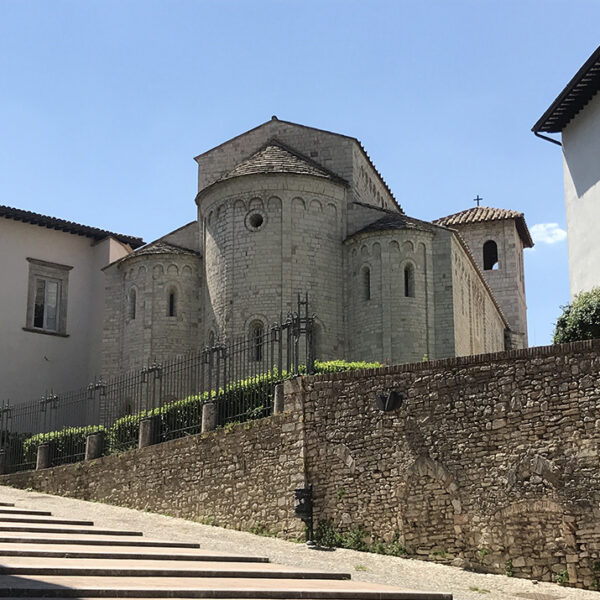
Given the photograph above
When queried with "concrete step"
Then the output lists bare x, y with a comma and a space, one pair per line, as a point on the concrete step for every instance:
146, 567
47, 528
182, 587
124, 553
24, 511
28, 537
7, 503
39, 519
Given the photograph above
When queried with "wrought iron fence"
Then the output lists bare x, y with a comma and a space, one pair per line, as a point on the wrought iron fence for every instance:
237, 379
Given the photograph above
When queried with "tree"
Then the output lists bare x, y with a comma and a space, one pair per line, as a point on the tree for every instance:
580, 320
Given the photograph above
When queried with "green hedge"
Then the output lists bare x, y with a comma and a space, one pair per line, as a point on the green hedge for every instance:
243, 400
184, 417
12, 444
337, 366
64, 443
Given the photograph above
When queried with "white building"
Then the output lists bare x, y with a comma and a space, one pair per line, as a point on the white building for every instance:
575, 114
51, 301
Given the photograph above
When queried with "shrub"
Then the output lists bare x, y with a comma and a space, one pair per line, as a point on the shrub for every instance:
64, 444
12, 444
326, 535
337, 366
580, 320
124, 432
243, 400
355, 539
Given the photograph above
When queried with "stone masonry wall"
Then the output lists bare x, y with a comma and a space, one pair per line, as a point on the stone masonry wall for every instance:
490, 462
478, 325
242, 477
132, 340
254, 274
385, 324
339, 153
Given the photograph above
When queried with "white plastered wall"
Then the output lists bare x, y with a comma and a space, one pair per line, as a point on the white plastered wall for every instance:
31, 362
581, 163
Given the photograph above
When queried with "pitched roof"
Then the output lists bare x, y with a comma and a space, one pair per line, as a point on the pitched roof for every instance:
348, 137
26, 216
275, 157
160, 247
481, 214
576, 94
394, 221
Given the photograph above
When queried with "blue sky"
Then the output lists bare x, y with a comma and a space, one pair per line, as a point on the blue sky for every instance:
104, 104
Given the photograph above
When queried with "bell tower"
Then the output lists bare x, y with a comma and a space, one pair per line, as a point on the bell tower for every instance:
497, 238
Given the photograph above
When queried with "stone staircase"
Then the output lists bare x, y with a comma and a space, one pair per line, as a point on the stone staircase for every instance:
46, 557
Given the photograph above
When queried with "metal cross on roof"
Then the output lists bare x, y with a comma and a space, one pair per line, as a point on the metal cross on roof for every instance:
478, 199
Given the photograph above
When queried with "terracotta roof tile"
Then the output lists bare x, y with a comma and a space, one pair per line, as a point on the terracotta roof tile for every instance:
481, 214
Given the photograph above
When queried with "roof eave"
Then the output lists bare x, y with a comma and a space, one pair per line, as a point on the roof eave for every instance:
337, 181
39, 220
542, 125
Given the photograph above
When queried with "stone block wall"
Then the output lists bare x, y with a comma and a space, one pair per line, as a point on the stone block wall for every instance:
254, 274
133, 339
242, 478
478, 325
339, 153
384, 324
490, 462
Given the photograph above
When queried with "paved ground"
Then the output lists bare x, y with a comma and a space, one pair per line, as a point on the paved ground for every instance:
386, 570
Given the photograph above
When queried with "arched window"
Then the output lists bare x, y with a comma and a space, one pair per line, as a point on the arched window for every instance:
490, 256
211, 338
132, 304
409, 281
366, 283
257, 332
172, 304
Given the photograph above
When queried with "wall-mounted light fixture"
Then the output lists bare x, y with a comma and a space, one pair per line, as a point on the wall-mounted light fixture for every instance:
389, 401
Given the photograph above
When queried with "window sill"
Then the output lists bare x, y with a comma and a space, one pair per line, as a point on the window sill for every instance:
45, 332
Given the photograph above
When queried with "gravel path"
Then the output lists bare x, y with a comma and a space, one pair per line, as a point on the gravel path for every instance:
387, 570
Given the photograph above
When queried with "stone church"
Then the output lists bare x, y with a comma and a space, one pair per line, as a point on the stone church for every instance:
286, 209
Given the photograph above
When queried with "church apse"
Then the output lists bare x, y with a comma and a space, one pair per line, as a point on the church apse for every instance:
389, 314
268, 238
154, 300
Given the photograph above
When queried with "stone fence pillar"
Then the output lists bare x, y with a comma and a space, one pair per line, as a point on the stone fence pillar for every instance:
43, 457
148, 432
2, 462
278, 402
209, 416
94, 445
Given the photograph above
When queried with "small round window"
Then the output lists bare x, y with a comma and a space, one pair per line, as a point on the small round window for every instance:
254, 220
